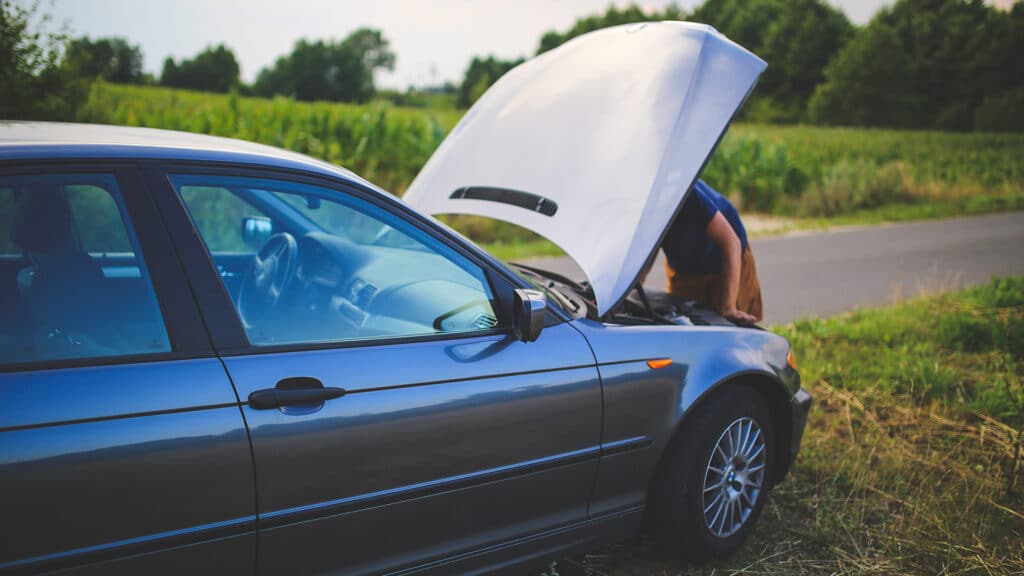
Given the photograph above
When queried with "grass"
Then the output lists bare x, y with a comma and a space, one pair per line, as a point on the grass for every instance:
519, 250
813, 176
911, 462
894, 213
818, 171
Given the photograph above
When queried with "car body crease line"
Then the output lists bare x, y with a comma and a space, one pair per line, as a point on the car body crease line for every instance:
342, 505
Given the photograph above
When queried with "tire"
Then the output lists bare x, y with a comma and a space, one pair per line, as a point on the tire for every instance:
731, 482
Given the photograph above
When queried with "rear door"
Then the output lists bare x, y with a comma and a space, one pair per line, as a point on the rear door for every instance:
444, 434
122, 447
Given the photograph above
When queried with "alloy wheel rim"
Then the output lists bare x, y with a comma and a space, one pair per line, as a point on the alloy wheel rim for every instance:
733, 477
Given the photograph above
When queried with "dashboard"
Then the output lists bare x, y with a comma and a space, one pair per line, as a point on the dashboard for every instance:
346, 290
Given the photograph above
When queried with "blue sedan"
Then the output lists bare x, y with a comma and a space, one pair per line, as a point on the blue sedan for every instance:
221, 357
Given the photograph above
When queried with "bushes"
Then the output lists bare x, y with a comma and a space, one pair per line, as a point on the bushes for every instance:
759, 174
855, 185
824, 172
1003, 112
35, 82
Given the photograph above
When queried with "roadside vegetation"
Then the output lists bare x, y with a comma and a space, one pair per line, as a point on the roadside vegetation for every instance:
382, 143
867, 175
811, 176
912, 459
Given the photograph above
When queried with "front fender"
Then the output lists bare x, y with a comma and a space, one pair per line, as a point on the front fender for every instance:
703, 357
643, 407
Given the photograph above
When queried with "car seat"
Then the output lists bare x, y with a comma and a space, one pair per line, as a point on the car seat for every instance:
63, 288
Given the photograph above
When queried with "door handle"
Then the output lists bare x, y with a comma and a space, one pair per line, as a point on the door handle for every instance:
292, 392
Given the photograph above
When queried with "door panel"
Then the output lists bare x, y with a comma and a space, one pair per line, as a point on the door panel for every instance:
113, 480
230, 555
374, 540
468, 441
451, 434
46, 397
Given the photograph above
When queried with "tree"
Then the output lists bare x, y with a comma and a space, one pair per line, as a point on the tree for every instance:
329, 70
483, 72
371, 47
931, 39
212, 70
797, 38
612, 17
868, 84
798, 45
946, 64
745, 22
111, 59
34, 82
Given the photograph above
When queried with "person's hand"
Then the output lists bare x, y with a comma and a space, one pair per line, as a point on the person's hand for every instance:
738, 316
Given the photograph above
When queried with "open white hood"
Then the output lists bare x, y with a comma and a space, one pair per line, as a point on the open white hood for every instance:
594, 145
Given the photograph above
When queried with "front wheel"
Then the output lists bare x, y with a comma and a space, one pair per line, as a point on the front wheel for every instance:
714, 479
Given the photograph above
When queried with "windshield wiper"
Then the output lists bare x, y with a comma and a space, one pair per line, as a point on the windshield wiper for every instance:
539, 279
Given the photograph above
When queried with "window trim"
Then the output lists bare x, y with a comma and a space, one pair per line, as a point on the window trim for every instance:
224, 325
181, 320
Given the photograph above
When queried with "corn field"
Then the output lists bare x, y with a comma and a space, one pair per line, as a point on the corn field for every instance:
793, 170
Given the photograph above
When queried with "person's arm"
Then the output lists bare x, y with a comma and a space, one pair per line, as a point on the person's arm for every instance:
721, 233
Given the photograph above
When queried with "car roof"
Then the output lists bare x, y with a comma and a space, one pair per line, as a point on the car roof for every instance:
69, 141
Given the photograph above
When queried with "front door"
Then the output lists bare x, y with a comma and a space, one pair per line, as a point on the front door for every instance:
425, 428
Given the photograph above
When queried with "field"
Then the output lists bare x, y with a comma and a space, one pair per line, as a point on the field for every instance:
819, 176
911, 463
383, 143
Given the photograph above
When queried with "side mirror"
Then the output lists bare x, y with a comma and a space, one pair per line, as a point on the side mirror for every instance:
256, 230
531, 309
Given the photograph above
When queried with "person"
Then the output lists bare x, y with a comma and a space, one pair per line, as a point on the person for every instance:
708, 258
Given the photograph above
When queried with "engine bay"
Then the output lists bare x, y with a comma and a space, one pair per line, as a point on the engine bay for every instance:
640, 307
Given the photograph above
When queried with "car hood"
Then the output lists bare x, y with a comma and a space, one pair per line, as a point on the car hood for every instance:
594, 144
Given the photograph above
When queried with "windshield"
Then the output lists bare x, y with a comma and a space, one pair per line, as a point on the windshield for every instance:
352, 224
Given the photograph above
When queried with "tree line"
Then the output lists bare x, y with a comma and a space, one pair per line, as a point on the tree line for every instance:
935, 64
47, 75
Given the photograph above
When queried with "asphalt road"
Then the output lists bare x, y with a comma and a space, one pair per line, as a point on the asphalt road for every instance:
825, 273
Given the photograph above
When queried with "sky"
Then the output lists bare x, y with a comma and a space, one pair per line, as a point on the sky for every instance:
434, 40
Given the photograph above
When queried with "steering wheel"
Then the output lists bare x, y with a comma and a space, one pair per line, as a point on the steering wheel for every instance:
272, 273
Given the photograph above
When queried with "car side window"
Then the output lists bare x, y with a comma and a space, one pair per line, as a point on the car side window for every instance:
330, 267
72, 283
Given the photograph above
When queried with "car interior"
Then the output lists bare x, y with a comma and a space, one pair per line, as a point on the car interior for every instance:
71, 284
308, 268
58, 299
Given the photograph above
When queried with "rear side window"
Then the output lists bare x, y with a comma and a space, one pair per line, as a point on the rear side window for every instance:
72, 282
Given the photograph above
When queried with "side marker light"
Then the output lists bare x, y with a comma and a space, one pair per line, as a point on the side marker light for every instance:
659, 363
